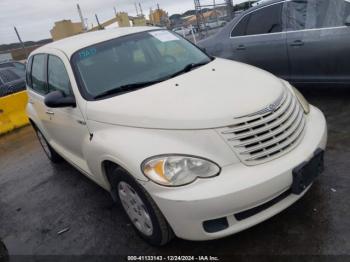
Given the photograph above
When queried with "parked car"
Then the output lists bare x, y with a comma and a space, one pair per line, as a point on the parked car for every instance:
299, 41
21, 68
215, 23
11, 81
182, 31
188, 144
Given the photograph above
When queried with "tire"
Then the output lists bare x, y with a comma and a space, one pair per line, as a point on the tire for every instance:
150, 223
4, 255
48, 150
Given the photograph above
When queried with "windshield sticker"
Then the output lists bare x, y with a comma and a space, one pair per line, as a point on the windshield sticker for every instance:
164, 36
87, 53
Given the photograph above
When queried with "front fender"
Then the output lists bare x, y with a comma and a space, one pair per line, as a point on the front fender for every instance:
129, 147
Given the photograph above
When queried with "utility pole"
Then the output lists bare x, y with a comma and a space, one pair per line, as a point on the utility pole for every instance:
141, 9
151, 15
137, 11
22, 44
229, 5
216, 13
82, 18
201, 22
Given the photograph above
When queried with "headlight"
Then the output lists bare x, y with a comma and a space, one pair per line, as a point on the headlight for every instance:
303, 102
177, 170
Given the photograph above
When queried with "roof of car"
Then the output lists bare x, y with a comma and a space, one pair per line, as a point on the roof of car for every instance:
71, 44
262, 4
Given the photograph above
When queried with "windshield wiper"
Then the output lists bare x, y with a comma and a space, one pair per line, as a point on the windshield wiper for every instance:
188, 68
127, 88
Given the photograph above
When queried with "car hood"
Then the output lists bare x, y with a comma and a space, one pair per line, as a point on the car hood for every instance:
207, 97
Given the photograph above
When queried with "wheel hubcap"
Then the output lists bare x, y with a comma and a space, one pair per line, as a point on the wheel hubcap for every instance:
44, 144
135, 208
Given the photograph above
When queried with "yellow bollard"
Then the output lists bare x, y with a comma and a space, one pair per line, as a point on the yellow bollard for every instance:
13, 111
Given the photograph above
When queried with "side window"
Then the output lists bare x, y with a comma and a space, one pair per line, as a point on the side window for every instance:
57, 76
266, 20
29, 71
296, 15
241, 28
331, 13
38, 74
313, 14
20, 66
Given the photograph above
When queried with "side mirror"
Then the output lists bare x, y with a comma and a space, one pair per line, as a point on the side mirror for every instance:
347, 21
57, 99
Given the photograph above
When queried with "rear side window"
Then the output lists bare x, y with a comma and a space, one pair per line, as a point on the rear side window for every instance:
29, 71
38, 74
57, 76
241, 28
266, 20
313, 14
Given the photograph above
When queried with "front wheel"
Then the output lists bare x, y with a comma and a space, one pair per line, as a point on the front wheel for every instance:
140, 208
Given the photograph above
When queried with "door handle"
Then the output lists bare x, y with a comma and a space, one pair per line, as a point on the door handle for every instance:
49, 112
241, 47
297, 43
31, 102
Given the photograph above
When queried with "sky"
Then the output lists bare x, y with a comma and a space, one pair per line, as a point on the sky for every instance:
35, 18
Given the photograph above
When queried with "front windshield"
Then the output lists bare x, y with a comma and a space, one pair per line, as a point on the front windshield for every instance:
137, 58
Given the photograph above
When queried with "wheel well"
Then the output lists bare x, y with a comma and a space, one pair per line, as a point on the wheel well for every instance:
107, 166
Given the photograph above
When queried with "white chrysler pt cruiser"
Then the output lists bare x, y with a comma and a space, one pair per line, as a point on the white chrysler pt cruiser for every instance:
188, 144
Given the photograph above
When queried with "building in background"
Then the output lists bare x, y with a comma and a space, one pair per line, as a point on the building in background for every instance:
139, 21
123, 19
159, 17
66, 28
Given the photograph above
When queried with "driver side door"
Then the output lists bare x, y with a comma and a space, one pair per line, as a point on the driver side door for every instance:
67, 126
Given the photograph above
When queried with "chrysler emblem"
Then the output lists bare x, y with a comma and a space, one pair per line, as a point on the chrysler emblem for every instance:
272, 107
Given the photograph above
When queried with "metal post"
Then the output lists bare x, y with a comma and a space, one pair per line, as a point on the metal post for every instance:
20, 40
98, 22
193, 35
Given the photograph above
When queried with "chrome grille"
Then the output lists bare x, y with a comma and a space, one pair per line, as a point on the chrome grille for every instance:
265, 135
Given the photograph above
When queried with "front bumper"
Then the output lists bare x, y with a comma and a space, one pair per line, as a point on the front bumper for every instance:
238, 188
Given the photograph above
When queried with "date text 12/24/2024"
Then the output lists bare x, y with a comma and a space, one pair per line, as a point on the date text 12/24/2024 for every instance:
172, 258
